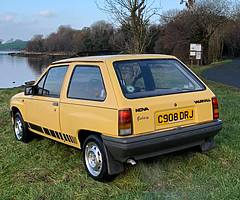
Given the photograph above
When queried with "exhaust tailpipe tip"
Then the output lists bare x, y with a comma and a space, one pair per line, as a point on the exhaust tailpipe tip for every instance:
131, 162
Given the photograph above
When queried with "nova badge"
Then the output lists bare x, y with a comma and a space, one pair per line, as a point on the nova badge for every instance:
141, 110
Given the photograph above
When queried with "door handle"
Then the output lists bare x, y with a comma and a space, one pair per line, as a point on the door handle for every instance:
55, 104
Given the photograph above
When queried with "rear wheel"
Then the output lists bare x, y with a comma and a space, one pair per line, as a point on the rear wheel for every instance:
94, 157
20, 129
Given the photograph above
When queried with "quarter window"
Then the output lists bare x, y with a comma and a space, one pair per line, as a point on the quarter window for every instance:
87, 83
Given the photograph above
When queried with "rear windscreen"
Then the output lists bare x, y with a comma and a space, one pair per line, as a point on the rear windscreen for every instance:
147, 78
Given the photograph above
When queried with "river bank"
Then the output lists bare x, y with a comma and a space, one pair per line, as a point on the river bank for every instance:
64, 54
38, 54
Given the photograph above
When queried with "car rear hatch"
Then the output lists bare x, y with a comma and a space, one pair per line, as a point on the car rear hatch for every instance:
162, 94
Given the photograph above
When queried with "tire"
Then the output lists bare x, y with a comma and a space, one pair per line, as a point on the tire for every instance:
20, 129
94, 158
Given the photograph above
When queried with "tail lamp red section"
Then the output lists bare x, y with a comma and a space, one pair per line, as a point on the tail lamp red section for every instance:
215, 108
125, 122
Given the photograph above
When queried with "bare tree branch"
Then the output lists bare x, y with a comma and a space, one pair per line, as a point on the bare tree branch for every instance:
135, 16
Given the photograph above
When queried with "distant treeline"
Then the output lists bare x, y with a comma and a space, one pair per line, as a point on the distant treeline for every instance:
13, 45
214, 24
100, 36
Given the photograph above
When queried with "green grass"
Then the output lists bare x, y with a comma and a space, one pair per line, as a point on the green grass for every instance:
44, 169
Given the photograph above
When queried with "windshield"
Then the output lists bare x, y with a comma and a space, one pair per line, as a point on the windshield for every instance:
146, 78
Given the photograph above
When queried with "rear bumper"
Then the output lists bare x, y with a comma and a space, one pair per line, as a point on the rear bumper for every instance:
151, 145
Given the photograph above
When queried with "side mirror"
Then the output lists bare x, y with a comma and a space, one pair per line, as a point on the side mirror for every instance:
29, 90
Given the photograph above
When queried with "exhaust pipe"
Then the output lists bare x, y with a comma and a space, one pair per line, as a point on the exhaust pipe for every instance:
131, 162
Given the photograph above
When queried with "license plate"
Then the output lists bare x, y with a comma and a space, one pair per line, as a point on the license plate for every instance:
174, 116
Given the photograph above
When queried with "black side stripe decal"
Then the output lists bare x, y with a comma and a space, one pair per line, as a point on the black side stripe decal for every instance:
46, 131
61, 136
70, 137
36, 127
55, 134
65, 138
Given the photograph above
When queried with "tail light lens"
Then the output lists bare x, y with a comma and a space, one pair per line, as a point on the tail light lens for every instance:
215, 108
125, 122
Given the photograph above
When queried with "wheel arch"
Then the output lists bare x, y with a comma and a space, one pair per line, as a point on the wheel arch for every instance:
18, 107
83, 134
14, 110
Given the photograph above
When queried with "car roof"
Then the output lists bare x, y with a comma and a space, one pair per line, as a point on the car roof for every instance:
113, 58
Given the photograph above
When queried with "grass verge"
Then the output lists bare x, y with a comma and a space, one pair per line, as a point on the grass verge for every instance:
44, 169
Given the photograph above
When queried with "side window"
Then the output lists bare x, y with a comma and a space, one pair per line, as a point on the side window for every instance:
87, 83
51, 84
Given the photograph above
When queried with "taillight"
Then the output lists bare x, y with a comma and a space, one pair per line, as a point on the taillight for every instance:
215, 108
125, 122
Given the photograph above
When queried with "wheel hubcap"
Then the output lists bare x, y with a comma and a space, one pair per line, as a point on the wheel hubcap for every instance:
93, 158
18, 127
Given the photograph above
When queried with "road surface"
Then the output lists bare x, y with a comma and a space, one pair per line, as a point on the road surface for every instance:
228, 73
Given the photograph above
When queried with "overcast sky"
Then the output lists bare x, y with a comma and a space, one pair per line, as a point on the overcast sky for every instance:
21, 19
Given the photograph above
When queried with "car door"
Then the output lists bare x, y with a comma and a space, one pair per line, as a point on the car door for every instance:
42, 108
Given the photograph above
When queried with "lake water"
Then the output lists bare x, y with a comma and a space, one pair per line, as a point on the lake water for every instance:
15, 71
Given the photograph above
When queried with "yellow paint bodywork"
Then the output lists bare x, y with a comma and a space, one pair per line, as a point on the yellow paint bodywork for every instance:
72, 116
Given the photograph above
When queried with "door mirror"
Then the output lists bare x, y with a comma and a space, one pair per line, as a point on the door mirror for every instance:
29, 90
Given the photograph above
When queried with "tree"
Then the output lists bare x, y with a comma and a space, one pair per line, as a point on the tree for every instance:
202, 25
102, 35
212, 16
189, 3
134, 17
36, 44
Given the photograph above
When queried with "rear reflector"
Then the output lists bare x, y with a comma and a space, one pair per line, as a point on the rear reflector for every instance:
215, 108
125, 122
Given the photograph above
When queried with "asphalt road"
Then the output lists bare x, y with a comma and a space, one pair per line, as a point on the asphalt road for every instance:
228, 73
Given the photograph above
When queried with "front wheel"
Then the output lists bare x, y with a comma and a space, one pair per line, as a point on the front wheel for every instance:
94, 157
20, 129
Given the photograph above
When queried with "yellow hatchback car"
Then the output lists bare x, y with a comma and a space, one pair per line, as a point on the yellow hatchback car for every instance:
118, 109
